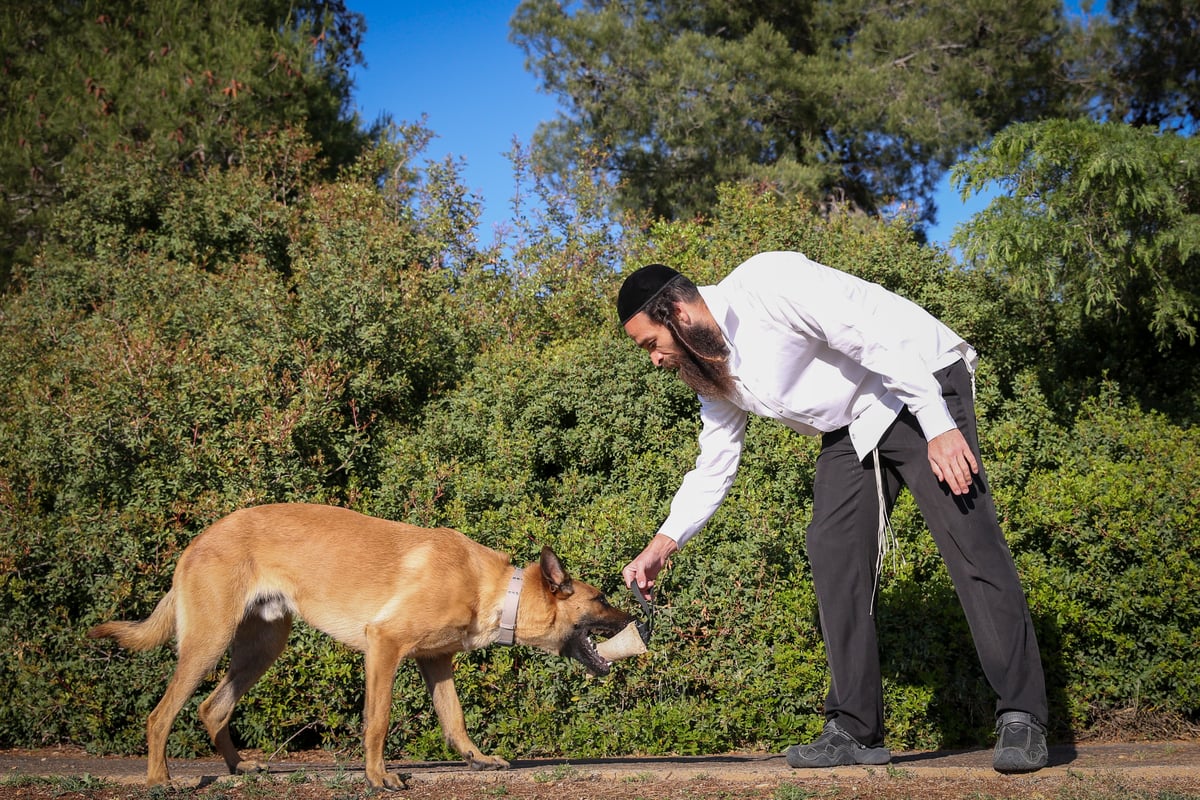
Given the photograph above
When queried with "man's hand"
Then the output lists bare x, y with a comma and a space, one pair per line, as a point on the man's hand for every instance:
952, 461
645, 568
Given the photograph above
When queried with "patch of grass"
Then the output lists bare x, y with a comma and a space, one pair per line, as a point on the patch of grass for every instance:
561, 772
300, 776
641, 777
1110, 787
790, 791
161, 793
59, 784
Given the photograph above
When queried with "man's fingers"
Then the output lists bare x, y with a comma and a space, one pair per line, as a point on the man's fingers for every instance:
962, 477
635, 574
952, 461
953, 475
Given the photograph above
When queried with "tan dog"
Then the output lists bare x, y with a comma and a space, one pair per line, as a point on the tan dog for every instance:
388, 589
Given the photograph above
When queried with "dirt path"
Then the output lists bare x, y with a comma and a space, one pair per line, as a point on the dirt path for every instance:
1142, 769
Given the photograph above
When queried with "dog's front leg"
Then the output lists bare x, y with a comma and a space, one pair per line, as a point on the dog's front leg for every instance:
382, 658
438, 672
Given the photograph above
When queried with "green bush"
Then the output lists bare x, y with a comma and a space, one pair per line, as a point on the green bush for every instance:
163, 369
1108, 542
338, 342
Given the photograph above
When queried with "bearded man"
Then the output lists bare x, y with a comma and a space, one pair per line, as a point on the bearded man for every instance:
890, 391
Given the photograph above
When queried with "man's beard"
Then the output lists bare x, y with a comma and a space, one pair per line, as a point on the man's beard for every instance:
703, 363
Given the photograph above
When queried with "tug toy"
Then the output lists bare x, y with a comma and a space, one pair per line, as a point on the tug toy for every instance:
632, 640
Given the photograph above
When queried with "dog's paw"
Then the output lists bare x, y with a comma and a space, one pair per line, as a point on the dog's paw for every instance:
478, 761
395, 781
246, 767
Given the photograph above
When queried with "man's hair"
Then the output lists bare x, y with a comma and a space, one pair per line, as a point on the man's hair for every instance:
661, 308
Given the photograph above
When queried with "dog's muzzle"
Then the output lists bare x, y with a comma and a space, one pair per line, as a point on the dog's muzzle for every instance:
632, 640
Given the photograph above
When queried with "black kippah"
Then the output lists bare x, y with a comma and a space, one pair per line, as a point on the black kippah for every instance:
641, 287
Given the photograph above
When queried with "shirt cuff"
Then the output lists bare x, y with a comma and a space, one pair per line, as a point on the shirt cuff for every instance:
935, 420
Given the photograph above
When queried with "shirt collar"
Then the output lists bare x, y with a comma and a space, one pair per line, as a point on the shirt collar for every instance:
718, 306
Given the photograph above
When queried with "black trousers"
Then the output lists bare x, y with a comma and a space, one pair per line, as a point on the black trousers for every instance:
842, 543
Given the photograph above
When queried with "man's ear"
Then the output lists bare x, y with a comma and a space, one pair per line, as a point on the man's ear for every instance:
555, 575
682, 314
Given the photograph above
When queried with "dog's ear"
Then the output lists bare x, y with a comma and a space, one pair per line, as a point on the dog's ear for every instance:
555, 575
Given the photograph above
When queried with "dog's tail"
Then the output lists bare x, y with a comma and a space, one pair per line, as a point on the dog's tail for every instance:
151, 632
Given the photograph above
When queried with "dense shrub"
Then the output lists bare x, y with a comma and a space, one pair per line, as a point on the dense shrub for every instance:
163, 373
1108, 541
331, 342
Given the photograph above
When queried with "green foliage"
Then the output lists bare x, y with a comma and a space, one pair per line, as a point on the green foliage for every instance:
866, 102
550, 279
1107, 533
1133, 199
189, 343
1099, 231
210, 342
1151, 74
92, 81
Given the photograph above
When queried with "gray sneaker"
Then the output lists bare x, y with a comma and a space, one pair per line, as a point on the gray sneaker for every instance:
1020, 743
835, 748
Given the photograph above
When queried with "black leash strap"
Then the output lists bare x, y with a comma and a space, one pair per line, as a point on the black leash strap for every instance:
647, 627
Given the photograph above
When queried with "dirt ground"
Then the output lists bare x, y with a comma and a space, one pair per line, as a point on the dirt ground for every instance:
1101, 771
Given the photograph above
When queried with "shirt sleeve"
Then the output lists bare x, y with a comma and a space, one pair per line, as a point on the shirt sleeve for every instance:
704, 488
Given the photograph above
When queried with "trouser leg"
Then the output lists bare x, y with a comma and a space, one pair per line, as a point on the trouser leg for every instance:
842, 545
968, 536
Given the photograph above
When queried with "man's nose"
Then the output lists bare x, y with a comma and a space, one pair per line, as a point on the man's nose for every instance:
656, 358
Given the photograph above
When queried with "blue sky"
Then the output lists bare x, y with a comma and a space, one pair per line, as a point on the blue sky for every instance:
453, 62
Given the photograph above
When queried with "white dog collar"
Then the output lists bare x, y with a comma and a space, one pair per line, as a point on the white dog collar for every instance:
508, 616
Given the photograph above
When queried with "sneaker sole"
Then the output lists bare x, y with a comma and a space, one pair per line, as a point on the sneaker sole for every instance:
866, 757
1013, 767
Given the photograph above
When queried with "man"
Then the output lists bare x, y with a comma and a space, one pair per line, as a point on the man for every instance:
889, 389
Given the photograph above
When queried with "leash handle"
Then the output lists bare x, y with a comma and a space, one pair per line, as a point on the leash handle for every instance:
647, 608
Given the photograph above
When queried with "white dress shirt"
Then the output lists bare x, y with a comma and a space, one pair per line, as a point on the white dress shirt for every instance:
816, 349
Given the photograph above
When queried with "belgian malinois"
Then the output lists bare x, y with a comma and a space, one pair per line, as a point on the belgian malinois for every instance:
388, 589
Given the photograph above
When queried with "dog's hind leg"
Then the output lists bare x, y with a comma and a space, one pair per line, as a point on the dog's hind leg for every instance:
197, 657
438, 672
256, 645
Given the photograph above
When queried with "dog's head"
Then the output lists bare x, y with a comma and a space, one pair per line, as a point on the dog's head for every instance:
560, 615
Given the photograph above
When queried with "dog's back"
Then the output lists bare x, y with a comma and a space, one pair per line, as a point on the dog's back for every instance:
340, 571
